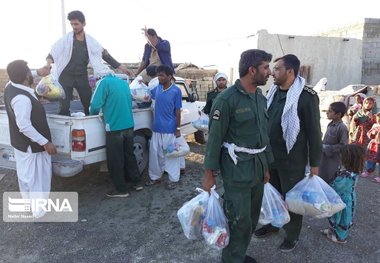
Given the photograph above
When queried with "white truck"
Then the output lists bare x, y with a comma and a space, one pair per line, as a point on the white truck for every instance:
81, 140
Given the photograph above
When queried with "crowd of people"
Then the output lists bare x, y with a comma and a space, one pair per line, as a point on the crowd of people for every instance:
253, 139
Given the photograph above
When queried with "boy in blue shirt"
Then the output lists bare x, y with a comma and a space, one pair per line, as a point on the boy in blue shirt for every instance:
166, 127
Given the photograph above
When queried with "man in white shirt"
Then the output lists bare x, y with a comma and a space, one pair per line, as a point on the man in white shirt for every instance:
29, 133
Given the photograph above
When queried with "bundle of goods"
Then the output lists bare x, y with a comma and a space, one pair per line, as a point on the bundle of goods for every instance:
139, 91
215, 228
50, 88
273, 209
202, 123
312, 196
177, 149
192, 213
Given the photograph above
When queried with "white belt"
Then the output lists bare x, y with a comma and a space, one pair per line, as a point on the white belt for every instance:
232, 148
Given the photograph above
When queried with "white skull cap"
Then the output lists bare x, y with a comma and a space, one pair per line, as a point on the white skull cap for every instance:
220, 75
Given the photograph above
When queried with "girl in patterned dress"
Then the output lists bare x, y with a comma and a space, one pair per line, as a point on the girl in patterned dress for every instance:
362, 122
352, 160
373, 154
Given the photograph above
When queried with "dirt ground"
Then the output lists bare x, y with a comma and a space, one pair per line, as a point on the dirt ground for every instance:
144, 227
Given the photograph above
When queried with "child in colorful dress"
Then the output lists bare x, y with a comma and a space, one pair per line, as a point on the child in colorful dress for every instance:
335, 137
359, 98
373, 153
362, 122
352, 158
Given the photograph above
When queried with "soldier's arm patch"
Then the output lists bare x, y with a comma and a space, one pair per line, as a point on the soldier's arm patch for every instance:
216, 115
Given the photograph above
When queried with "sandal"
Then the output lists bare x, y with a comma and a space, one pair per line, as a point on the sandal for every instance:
152, 182
365, 174
138, 187
332, 237
376, 180
172, 185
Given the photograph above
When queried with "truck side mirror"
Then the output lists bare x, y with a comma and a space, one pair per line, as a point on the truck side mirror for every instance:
193, 97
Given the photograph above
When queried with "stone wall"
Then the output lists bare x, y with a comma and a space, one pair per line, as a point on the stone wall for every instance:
203, 80
371, 52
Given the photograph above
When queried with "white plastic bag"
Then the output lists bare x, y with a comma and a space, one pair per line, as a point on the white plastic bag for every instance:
312, 196
153, 83
202, 123
215, 228
139, 91
178, 149
273, 209
192, 213
50, 88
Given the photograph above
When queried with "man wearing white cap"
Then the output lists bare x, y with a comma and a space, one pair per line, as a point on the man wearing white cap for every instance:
220, 80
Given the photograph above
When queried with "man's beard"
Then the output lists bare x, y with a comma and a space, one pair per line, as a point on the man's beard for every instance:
78, 32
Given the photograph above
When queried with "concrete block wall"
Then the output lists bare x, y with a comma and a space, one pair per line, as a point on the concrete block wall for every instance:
203, 79
371, 52
337, 59
203, 86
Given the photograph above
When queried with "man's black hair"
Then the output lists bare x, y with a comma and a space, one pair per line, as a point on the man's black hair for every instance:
151, 71
338, 107
166, 69
252, 58
291, 62
76, 15
151, 32
17, 71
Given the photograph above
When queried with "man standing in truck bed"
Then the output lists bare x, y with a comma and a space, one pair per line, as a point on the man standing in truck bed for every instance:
71, 55
156, 52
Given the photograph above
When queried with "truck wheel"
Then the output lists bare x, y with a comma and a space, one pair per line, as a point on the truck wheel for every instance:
200, 137
140, 149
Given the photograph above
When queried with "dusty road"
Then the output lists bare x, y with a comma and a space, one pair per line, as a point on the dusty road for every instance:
144, 227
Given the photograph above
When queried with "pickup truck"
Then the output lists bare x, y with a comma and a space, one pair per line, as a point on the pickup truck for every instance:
81, 140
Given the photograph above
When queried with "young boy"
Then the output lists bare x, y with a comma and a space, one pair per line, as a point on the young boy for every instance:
335, 137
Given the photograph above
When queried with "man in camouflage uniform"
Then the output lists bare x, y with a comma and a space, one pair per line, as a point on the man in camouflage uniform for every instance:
295, 137
238, 124
220, 80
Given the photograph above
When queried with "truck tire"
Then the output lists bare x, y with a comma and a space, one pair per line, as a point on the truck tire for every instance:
141, 151
200, 137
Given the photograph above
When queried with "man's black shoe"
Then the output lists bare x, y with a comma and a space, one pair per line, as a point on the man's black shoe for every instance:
266, 230
288, 246
249, 259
